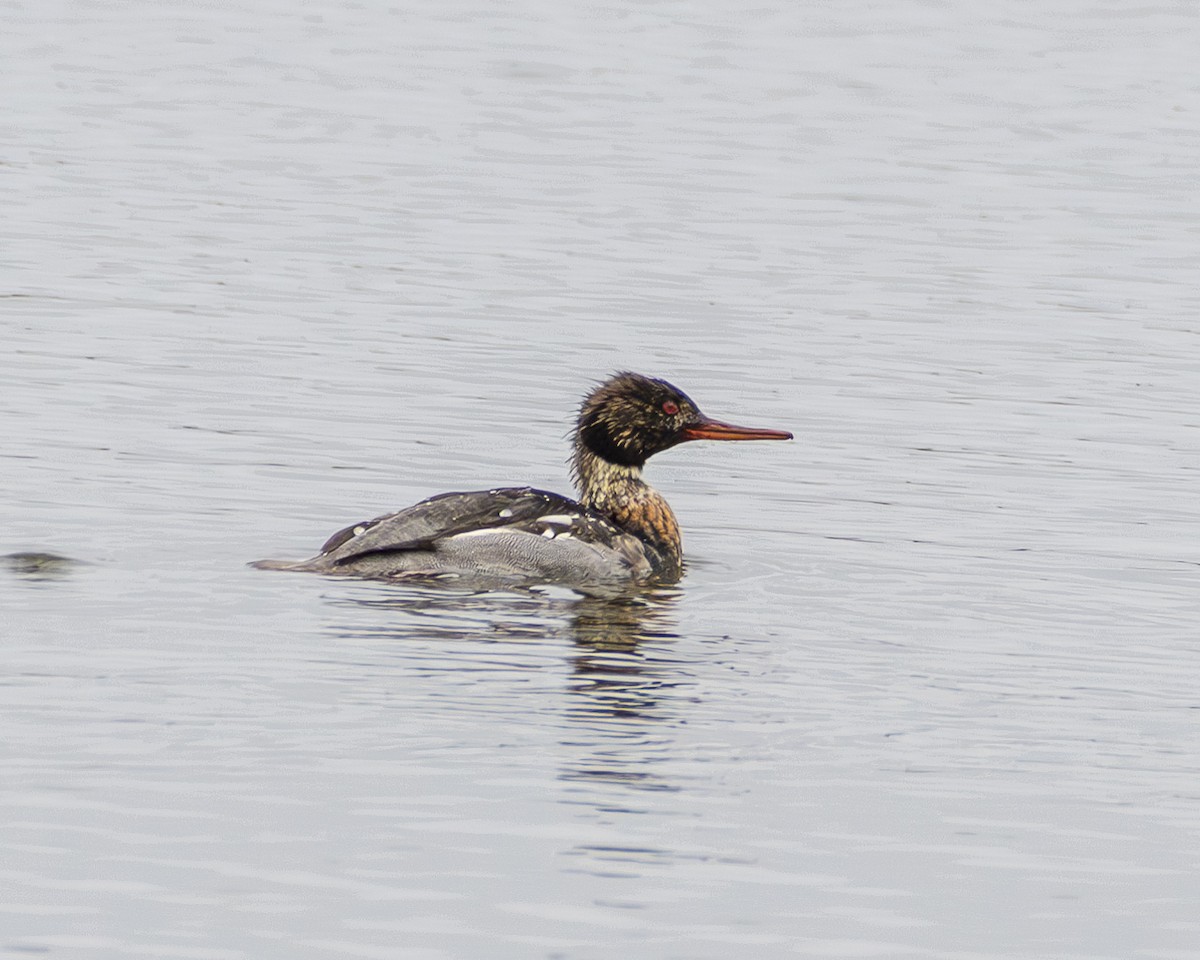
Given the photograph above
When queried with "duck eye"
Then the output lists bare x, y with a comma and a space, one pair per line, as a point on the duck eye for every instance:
670, 408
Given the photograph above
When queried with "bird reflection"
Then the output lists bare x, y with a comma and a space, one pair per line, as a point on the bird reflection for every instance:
615, 677
623, 692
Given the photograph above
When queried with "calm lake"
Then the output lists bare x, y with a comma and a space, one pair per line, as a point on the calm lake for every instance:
930, 686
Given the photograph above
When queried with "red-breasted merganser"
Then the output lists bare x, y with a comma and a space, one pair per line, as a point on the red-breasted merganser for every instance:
620, 531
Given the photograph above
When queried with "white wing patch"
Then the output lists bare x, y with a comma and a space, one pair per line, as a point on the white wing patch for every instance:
484, 532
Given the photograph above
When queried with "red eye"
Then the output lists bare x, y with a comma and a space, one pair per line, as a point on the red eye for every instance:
670, 407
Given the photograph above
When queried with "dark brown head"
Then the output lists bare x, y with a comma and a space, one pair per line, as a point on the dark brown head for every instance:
629, 418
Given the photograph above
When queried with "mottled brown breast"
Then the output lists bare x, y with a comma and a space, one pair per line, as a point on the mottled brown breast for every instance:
650, 518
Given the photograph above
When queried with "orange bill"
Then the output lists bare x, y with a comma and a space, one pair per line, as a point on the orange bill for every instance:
716, 430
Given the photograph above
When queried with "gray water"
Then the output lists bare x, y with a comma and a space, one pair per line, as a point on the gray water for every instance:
929, 687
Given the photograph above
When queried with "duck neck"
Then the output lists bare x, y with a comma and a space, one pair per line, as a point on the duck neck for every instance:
619, 492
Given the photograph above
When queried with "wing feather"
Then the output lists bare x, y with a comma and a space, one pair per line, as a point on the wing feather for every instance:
422, 525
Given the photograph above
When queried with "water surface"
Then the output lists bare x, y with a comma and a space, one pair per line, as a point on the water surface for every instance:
929, 686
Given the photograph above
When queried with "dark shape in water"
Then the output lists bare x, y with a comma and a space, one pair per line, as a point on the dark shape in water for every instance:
34, 565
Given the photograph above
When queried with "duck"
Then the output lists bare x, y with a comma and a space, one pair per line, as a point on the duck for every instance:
619, 532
